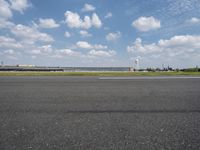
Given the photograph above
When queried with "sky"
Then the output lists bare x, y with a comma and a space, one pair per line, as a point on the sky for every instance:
103, 33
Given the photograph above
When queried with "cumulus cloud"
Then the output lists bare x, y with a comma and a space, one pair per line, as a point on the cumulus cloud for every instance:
183, 41
84, 45
36, 52
42, 50
108, 15
113, 36
96, 22
88, 7
146, 23
46, 48
84, 33
5, 15
99, 46
67, 34
10, 52
7, 7
176, 46
66, 52
95, 50
29, 34
19, 5
102, 53
48, 51
139, 47
73, 20
6, 24
5, 11
194, 20
10, 43
48, 23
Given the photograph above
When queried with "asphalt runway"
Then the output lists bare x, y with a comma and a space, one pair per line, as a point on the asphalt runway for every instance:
92, 113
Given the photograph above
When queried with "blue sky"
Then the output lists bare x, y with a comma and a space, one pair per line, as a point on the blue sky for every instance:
100, 33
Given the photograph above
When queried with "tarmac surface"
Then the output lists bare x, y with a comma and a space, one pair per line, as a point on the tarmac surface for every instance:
61, 113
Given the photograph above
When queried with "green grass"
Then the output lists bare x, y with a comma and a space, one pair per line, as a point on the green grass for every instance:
98, 73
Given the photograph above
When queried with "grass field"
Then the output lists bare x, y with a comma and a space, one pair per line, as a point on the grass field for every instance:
99, 73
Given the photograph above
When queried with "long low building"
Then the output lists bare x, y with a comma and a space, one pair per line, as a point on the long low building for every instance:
15, 68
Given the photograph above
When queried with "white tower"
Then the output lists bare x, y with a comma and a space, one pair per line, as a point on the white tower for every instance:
137, 64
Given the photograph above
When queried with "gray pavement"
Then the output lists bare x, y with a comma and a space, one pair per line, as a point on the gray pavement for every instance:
58, 113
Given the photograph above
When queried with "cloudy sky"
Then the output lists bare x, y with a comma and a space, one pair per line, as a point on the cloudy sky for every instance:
100, 33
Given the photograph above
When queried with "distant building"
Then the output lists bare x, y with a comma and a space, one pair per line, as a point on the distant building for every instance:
24, 65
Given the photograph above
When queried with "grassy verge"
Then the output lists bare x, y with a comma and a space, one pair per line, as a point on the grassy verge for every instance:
98, 73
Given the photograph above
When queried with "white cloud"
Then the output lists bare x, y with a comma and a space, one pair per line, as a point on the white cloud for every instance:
99, 46
96, 22
5, 14
46, 48
48, 23
19, 5
67, 34
84, 33
7, 7
73, 20
36, 52
42, 50
194, 20
10, 52
88, 7
113, 36
6, 24
86, 23
10, 43
108, 15
183, 41
84, 45
139, 47
5, 11
180, 46
30, 35
48, 51
101, 53
146, 23
66, 52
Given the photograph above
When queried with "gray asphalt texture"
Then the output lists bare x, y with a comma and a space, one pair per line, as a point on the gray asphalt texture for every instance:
61, 113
